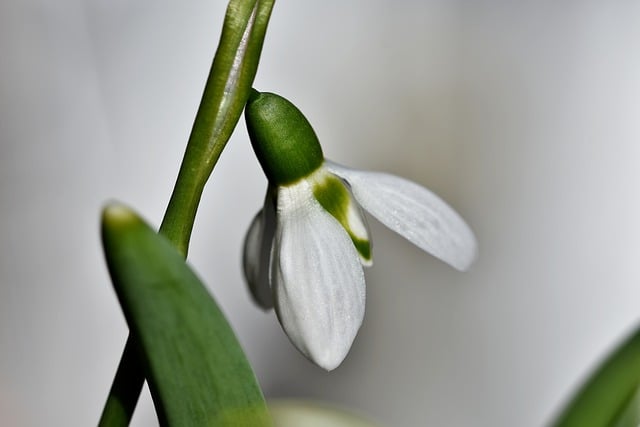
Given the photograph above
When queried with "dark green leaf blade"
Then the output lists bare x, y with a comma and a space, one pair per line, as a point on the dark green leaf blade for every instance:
605, 399
197, 372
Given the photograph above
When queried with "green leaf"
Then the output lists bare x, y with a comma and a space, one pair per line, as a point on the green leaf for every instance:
610, 395
630, 416
197, 372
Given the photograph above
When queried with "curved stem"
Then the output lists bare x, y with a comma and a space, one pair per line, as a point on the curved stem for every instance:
225, 94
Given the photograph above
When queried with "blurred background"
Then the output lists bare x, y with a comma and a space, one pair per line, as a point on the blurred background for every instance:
524, 116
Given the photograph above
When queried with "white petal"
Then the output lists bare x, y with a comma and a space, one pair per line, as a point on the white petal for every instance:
251, 250
413, 212
257, 252
317, 277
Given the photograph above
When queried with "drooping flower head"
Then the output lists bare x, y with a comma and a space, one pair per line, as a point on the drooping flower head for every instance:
305, 249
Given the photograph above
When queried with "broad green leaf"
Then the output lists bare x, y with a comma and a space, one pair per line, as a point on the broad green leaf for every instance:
610, 396
197, 372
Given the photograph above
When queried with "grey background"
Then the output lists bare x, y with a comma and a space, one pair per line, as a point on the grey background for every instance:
523, 115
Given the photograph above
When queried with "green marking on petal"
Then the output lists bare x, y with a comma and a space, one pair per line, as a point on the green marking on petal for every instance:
335, 198
363, 247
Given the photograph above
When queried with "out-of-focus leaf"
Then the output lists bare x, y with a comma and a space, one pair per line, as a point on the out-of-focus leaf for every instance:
300, 413
197, 372
630, 417
609, 395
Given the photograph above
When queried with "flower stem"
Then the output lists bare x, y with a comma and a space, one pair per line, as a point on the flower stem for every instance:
125, 390
225, 94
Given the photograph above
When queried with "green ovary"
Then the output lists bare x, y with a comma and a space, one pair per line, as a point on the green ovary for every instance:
335, 198
282, 138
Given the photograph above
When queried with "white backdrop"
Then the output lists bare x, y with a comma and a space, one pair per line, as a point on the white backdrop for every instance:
523, 115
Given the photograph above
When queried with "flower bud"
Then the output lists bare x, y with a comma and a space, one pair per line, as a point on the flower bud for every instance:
282, 138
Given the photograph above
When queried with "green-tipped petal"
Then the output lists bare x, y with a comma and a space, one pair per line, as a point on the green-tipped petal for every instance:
333, 195
317, 278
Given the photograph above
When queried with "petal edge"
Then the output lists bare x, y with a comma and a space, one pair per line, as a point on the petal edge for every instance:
415, 213
257, 253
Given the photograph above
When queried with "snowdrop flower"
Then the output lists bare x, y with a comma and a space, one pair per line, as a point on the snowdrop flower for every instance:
305, 249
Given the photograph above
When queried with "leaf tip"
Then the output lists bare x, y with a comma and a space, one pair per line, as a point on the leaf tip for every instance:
116, 213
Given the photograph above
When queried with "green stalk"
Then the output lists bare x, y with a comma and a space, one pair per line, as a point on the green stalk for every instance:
226, 92
125, 389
